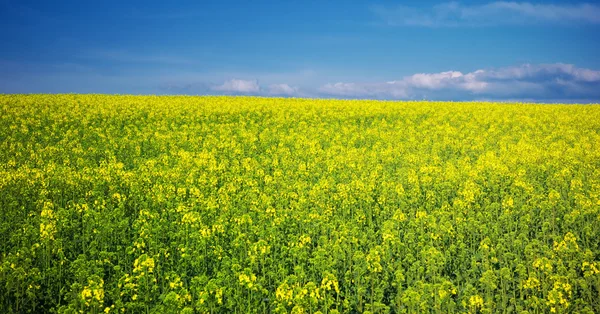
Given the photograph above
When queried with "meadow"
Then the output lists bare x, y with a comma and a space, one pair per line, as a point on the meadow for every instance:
214, 204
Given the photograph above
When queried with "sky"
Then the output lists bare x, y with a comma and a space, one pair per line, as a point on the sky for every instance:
469, 50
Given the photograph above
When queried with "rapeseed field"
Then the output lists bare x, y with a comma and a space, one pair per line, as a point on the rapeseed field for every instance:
214, 204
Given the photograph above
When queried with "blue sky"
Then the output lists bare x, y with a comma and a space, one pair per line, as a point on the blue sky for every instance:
540, 51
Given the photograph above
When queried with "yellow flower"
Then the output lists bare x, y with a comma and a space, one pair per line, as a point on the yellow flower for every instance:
86, 293
476, 301
568, 243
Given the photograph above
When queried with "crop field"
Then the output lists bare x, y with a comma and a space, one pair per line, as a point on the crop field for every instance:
214, 204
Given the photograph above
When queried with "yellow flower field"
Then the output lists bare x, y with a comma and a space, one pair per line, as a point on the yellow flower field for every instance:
214, 204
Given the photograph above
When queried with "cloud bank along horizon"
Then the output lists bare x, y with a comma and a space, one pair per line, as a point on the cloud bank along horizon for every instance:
545, 82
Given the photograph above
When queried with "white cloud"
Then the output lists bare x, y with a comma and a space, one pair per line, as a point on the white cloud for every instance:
492, 13
543, 81
393, 89
238, 86
444, 80
282, 89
